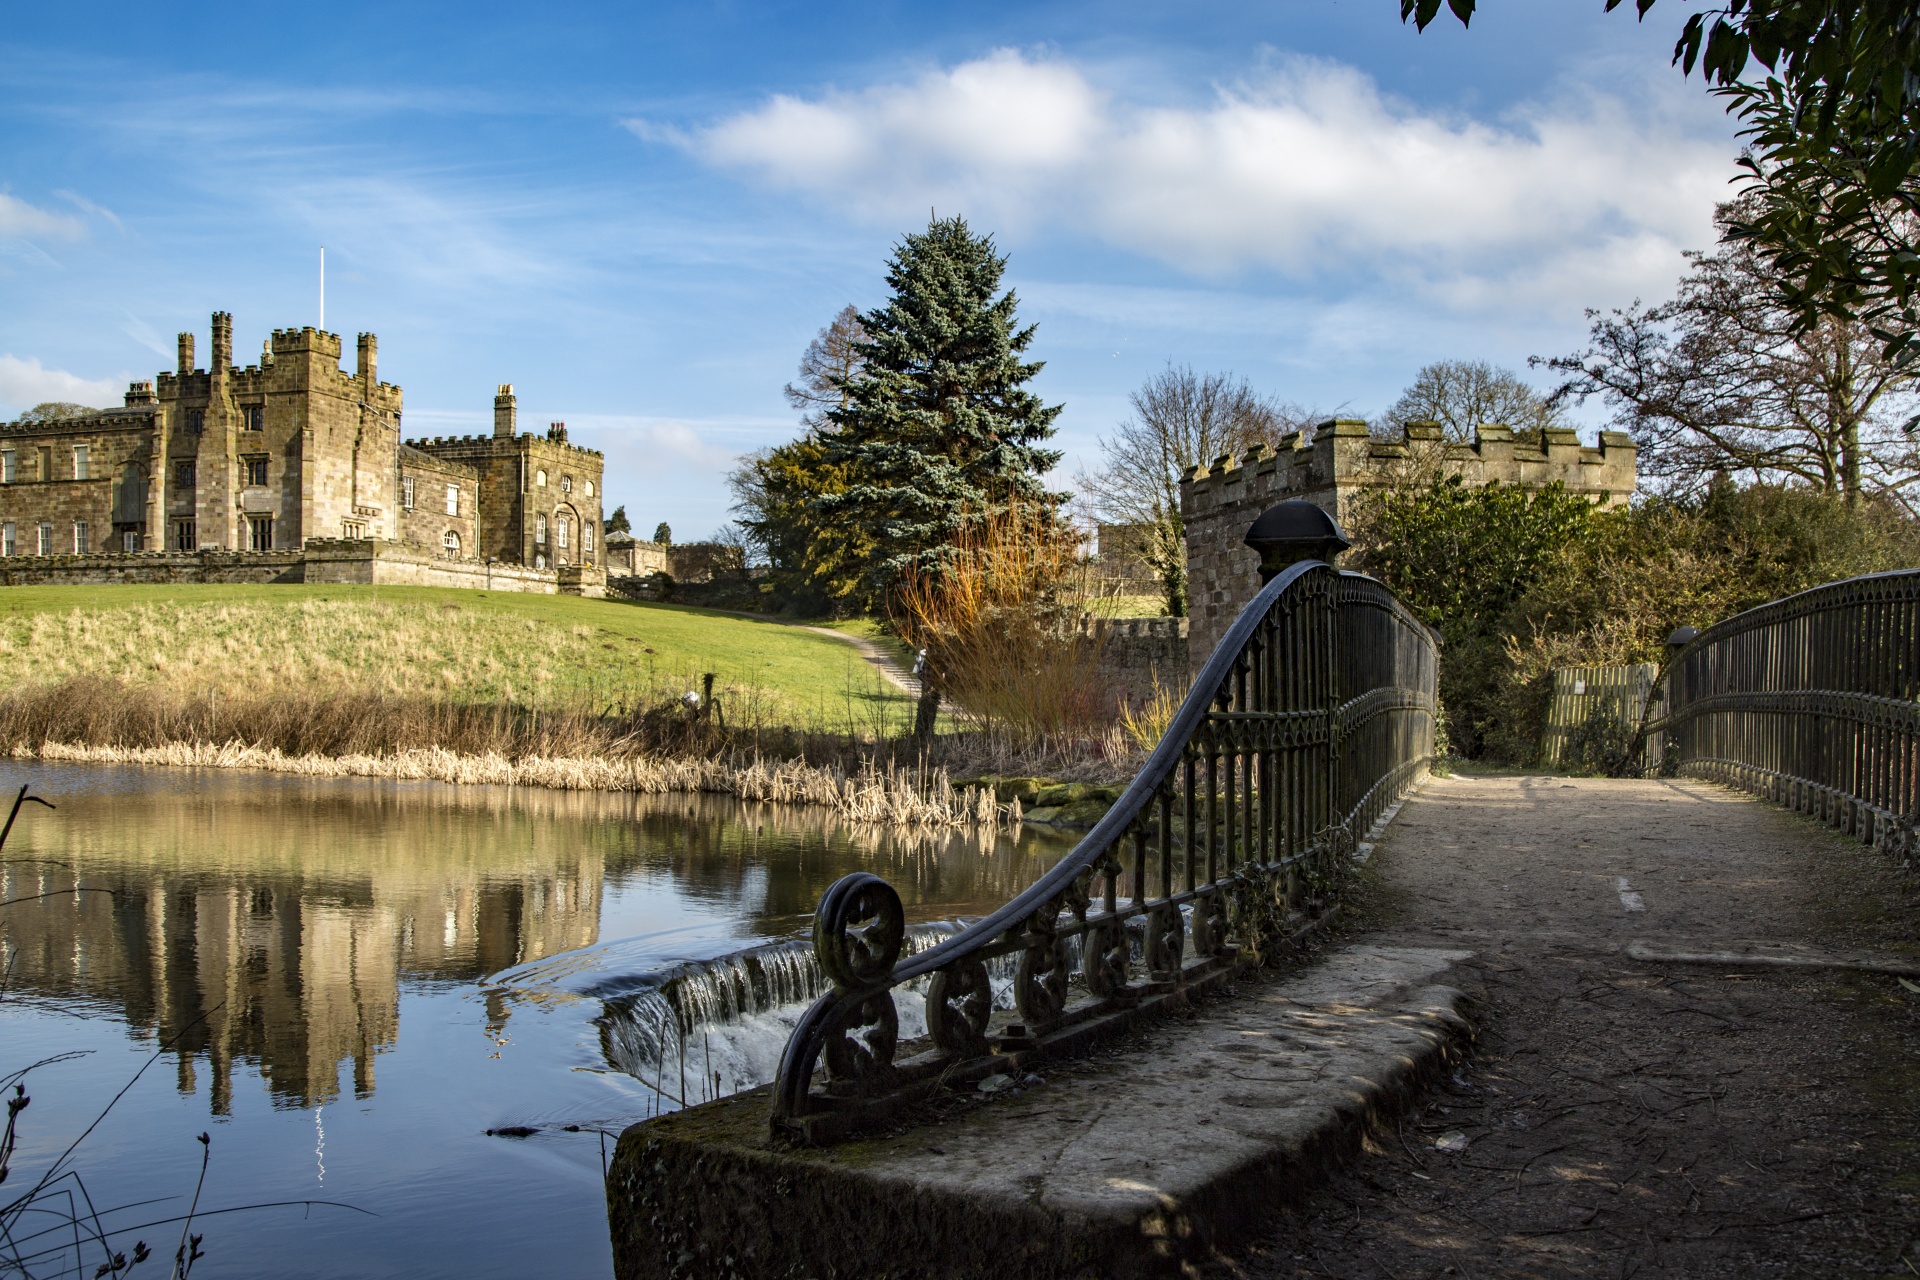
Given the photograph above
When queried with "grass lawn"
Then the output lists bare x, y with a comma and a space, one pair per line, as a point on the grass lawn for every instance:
1142, 606
478, 645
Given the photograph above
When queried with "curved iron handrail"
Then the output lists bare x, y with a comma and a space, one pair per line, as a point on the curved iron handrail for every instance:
1339, 692
1811, 701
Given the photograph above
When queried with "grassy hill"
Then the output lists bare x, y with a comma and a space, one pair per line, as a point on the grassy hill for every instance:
467, 646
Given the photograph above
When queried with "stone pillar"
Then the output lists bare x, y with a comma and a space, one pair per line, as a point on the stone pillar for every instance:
155, 538
368, 365
222, 343
216, 523
186, 354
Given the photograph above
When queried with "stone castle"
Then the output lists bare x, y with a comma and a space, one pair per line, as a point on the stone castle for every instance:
1333, 464
1329, 466
293, 469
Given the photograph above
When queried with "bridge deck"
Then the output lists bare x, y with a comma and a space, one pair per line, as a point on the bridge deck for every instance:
1628, 1116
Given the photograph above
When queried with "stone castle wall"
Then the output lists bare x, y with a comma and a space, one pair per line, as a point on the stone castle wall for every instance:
529, 485
44, 489
634, 558
1340, 461
1139, 654
424, 518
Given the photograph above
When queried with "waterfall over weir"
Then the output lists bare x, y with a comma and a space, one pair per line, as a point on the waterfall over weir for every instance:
709, 1028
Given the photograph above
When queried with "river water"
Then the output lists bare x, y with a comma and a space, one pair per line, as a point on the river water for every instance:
347, 983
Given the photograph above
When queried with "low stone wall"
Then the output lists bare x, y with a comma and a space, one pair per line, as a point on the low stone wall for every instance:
1138, 652
325, 560
153, 567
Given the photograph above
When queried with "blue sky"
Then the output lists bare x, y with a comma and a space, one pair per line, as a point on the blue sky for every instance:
639, 214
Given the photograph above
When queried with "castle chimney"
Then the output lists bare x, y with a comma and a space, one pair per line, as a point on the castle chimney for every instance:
369, 358
557, 432
222, 343
186, 353
505, 412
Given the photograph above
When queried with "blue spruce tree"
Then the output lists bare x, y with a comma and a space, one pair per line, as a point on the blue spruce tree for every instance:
938, 428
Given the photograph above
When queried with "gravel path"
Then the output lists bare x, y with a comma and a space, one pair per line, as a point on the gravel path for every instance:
877, 656
1627, 1117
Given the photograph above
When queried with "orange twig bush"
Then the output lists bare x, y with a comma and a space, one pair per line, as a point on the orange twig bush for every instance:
1005, 626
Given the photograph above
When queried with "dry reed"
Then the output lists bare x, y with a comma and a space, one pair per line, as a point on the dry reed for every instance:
668, 748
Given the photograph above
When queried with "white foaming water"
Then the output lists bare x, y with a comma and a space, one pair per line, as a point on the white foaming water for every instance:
706, 1029
710, 1028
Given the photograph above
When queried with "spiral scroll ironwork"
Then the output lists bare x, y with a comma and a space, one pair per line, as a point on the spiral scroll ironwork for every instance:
959, 1004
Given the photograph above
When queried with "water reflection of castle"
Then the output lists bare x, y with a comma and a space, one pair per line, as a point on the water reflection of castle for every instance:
234, 935
272, 922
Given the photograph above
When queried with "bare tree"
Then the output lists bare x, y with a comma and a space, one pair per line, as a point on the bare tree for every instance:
54, 411
1462, 394
1181, 419
830, 361
1726, 378
735, 549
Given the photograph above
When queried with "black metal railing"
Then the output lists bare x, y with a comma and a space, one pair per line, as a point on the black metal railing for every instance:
1315, 713
1809, 702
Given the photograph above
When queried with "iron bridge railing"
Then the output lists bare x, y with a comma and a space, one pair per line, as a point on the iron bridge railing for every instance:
1810, 702
1315, 713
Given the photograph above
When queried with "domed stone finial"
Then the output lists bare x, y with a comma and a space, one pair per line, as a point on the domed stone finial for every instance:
1292, 531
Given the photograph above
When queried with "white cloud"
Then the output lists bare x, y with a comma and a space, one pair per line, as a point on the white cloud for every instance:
21, 220
85, 205
698, 444
25, 383
1310, 170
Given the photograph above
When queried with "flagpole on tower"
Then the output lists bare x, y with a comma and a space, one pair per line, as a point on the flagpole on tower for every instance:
323, 287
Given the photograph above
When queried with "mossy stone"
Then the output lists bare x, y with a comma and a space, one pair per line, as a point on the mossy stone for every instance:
1005, 790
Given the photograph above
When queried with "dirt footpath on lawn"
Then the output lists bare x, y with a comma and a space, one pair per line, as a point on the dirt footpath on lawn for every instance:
1639, 1117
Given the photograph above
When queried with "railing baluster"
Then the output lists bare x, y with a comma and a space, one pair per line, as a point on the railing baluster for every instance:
1809, 702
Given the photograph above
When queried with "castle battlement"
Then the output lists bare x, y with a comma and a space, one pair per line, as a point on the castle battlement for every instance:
1335, 462
290, 342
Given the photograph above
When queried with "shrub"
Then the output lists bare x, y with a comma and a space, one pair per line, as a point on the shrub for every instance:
1003, 621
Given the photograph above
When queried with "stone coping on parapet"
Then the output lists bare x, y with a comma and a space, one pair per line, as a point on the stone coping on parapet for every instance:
1147, 1161
491, 443
1161, 626
91, 422
1491, 441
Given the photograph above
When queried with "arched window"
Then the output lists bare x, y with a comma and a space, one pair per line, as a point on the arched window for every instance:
566, 484
540, 479
563, 526
589, 488
451, 541
540, 528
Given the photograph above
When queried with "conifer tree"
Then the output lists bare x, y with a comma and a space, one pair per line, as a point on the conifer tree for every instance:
937, 429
